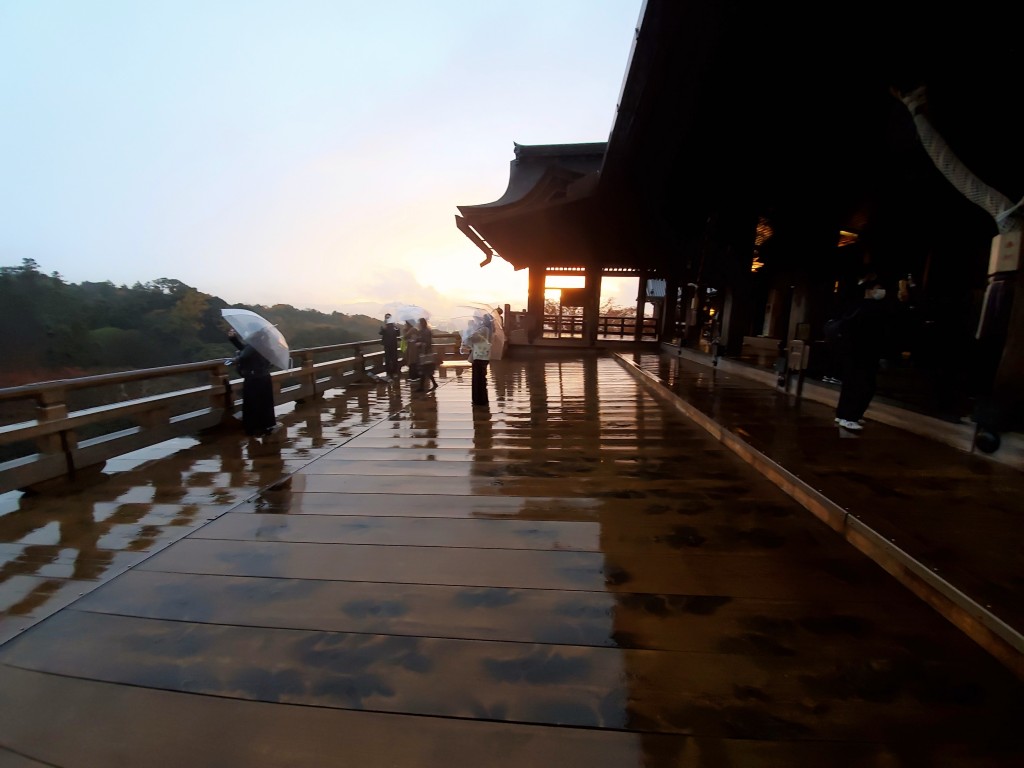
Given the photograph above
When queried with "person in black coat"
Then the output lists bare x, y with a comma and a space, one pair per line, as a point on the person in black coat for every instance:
861, 340
389, 334
427, 356
258, 416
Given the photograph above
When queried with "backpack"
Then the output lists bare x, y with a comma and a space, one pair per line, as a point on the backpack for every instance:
481, 350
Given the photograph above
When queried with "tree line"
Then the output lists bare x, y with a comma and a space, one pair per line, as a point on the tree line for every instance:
56, 329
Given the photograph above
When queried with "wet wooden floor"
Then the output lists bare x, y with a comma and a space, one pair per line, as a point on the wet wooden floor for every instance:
577, 575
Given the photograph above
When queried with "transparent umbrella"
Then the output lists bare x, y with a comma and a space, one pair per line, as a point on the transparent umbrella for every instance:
261, 333
470, 324
480, 305
409, 312
488, 316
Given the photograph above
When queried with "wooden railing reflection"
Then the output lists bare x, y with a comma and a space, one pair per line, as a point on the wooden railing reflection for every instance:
69, 425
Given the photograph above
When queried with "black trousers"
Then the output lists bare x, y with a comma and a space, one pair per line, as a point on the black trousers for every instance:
427, 372
391, 361
480, 382
858, 388
258, 404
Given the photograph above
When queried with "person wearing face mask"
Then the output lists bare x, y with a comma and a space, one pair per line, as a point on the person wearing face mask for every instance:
861, 347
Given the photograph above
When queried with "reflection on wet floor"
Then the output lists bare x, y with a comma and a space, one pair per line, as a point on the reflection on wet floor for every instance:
58, 545
575, 555
954, 513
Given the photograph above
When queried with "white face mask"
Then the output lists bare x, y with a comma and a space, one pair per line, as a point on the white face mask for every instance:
877, 293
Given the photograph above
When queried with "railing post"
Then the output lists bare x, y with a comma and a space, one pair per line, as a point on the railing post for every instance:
307, 374
275, 385
51, 405
220, 392
155, 418
359, 375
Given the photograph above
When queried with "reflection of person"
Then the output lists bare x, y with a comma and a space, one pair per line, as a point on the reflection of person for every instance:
394, 399
479, 344
423, 419
864, 331
257, 391
389, 337
428, 364
483, 445
267, 463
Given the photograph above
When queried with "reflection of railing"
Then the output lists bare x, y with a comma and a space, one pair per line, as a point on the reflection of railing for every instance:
608, 327
65, 436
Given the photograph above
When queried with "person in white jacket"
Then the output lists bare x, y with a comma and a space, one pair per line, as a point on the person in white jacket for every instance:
478, 343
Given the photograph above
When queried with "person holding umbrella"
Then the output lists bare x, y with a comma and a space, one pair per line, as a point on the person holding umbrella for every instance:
259, 345
476, 340
258, 416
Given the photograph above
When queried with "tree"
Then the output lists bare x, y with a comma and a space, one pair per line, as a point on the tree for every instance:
100, 327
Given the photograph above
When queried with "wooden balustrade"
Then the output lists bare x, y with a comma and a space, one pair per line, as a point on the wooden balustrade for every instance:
608, 327
61, 441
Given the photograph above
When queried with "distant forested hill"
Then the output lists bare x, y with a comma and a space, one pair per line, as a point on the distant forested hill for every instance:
55, 329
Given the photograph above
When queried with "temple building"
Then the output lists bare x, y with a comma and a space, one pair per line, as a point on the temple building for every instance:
762, 161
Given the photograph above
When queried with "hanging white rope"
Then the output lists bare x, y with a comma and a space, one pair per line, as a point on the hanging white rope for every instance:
1007, 215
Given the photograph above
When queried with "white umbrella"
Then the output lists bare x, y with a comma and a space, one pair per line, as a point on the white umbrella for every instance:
409, 312
260, 333
489, 316
472, 324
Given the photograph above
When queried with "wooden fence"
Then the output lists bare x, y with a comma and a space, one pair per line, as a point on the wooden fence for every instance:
72, 425
608, 327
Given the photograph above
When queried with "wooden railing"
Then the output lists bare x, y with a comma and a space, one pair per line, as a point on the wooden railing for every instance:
608, 327
59, 437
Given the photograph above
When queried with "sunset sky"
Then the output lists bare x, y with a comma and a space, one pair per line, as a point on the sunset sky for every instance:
309, 153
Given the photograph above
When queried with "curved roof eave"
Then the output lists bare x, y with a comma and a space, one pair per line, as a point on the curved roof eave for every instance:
539, 162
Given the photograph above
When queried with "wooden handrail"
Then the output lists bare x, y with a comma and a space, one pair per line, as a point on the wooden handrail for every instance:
26, 391
55, 430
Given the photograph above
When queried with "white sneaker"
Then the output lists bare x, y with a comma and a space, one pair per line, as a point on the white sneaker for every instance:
853, 426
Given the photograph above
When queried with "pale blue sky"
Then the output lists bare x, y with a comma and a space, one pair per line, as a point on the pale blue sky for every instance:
306, 152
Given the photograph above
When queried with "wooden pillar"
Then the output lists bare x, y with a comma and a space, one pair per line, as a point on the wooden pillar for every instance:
307, 375
535, 302
667, 321
51, 405
592, 304
737, 253
220, 393
641, 301
359, 375
815, 246
690, 297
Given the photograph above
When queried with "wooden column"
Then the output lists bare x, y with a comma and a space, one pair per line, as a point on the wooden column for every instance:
737, 254
592, 305
667, 321
535, 302
641, 301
